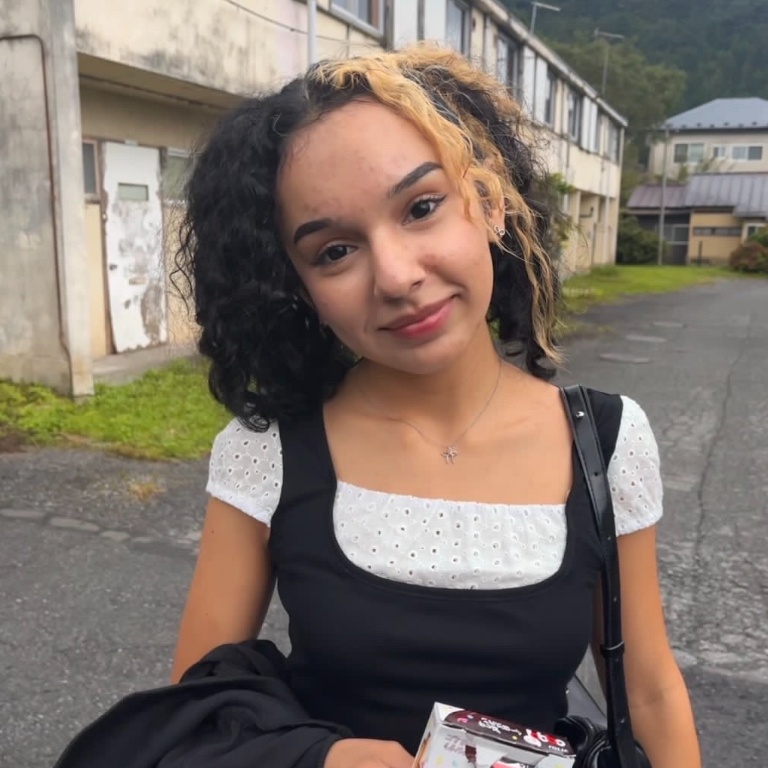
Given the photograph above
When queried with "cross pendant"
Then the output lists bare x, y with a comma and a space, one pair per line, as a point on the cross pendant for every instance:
449, 454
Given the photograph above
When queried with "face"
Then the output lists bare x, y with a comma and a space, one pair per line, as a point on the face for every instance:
379, 236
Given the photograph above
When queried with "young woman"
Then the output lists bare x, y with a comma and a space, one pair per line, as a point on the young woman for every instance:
355, 243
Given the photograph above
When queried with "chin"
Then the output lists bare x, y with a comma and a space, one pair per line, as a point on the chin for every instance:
423, 360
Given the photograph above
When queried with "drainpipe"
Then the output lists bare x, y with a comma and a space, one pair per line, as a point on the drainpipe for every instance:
311, 32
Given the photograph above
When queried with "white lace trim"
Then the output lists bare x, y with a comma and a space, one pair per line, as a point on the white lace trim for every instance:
435, 542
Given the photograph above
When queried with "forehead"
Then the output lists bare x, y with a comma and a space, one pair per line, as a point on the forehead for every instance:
358, 150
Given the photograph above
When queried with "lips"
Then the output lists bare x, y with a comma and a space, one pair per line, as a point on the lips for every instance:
416, 317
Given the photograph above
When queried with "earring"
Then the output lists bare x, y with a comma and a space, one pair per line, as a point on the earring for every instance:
499, 232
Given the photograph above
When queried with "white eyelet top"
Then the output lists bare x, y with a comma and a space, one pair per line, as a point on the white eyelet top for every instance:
436, 542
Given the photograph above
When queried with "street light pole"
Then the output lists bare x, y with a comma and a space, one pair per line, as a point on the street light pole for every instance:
534, 14
607, 36
663, 201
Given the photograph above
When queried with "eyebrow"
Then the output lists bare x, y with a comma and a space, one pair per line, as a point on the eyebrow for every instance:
410, 178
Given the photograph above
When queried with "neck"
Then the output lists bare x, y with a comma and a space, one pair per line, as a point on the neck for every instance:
444, 402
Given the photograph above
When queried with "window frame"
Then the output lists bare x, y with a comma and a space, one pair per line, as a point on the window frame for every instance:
165, 154
513, 56
351, 18
550, 101
714, 154
466, 10
95, 196
747, 150
688, 160
717, 232
575, 102
751, 227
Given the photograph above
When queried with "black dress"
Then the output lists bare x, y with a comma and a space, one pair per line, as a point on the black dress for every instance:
375, 654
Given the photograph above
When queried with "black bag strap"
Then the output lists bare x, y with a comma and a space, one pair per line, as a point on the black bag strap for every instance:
587, 444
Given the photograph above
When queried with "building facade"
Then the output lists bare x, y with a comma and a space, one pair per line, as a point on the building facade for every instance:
705, 218
722, 136
100, 112
715, 161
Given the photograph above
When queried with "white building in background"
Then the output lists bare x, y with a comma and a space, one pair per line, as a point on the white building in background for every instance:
103, 108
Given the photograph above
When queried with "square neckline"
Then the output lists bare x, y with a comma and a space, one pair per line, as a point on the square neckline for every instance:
434, 592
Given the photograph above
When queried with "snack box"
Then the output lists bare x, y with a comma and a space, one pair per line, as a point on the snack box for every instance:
460, 738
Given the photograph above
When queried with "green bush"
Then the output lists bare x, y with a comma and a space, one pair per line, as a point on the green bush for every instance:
760, 237
635, 245
751, 256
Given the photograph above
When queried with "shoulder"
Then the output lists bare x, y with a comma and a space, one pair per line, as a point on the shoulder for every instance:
634, 471
246, 469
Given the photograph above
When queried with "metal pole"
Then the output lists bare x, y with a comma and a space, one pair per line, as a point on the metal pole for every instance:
663, 202
311, 32
605, 69
533, 18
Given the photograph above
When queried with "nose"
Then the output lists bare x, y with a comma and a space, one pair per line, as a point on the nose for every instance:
397, 267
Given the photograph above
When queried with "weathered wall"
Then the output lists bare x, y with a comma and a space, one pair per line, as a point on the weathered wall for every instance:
714, 248
237, 48
123, 117
44, 323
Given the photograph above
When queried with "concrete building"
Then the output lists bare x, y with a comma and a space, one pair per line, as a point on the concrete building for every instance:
100, 110
582, 136
707, 217
722, 136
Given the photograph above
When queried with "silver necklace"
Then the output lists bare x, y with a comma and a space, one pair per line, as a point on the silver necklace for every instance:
449, 452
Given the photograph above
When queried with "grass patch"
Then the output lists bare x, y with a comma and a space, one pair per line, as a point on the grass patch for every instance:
169, 414
605, 285
166, 414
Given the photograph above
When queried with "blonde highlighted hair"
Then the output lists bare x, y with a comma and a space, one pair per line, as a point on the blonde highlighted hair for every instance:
428, 85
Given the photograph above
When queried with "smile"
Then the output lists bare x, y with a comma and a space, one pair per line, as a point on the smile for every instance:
426, 321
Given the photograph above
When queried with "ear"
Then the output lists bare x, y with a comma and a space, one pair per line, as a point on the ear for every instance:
495, 219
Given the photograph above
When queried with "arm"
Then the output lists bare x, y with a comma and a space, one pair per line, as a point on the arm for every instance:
662, 719
231, 587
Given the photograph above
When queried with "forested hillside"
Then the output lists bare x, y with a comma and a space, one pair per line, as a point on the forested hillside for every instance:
721, 45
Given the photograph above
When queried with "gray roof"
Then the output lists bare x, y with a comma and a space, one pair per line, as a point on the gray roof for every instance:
723, 115
745, 193
648, 197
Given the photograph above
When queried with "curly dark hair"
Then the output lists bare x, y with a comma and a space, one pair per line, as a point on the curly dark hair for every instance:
271, 358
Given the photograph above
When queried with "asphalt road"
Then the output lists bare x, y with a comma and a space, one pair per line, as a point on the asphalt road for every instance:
96, 551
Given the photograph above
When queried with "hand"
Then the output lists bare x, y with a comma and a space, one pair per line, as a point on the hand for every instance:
367, 753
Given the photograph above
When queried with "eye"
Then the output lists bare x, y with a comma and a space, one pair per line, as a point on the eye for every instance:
333, 253
424, 207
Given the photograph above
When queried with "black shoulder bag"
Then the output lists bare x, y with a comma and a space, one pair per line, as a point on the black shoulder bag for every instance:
614, 745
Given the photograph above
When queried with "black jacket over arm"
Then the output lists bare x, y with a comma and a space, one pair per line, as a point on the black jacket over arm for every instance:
233, 709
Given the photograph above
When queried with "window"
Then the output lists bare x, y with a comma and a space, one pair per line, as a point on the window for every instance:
748, 153
614, 142
90, 175
133, 193
753, 229
599, 129
719, 152
508, 62
717, 231
689, 153
457, 26
549, 104
174, 175
575, 105
369, 12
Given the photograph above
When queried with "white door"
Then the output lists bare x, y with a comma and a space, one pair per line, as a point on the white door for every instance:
134, 246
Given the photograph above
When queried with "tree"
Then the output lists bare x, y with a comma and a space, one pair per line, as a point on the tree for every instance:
720, 44
645, 93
